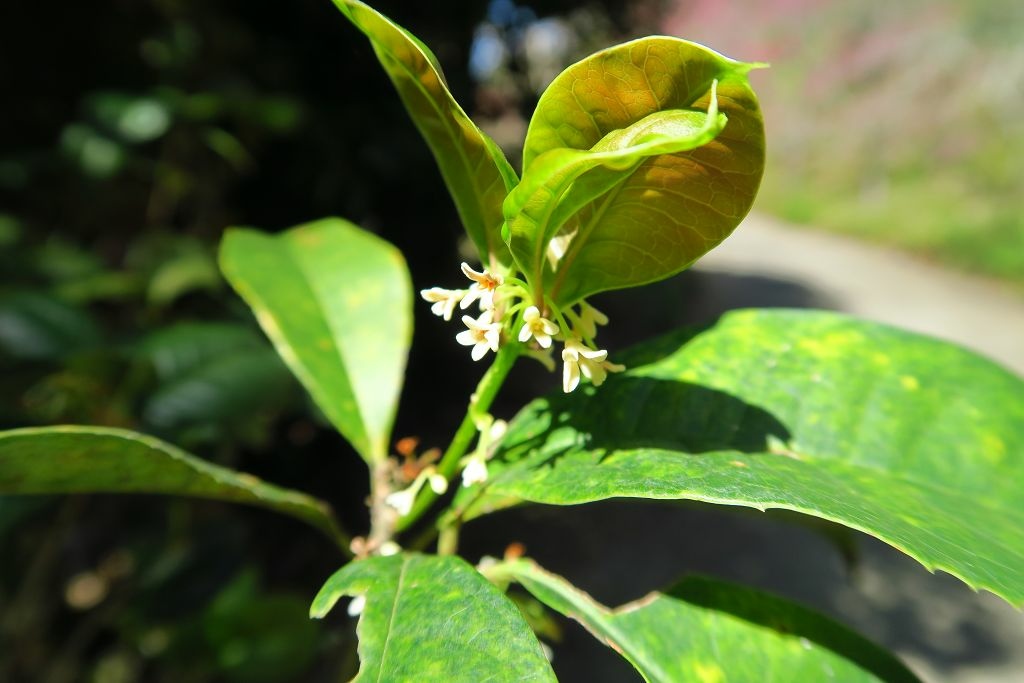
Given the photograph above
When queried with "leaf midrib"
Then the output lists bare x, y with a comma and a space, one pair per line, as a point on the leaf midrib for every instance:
391, 617
372, 440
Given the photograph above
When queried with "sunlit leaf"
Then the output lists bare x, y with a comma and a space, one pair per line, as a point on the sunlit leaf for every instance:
430, 618
704, 630
646, 224
337, 303
475, 170
909, 439
73, 459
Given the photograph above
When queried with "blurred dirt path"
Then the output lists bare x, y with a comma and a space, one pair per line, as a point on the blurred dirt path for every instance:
879, 284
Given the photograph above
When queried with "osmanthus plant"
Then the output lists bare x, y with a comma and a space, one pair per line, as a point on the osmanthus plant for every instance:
638, 160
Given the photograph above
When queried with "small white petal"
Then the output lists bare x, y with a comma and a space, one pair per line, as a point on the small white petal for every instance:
479, 351
475, 472
472, 295
470, 273
595, 372
497, 430
438, 483
525, 333
613, 367
388, 548
401, 500
355, 607
570, 374
493, 337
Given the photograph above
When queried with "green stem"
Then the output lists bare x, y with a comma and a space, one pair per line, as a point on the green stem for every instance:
479, 403
448, 541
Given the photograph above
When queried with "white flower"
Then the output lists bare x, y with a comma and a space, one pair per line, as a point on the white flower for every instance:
590, 318
483, 335
355, 608
576, 356
444, 300
482, 288
403, 500
438, 483
388, 548
538, 327
557, 248
597, 372
475, 471
496, 431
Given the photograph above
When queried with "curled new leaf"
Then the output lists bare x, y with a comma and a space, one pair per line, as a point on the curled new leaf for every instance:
630, 226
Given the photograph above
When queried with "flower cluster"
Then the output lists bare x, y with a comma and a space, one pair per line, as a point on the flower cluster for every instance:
508, 310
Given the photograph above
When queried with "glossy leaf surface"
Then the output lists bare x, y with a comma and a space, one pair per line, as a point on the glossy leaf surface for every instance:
909, 439
705, 630
337, 303
475, 170
72, 459
430, 618
658, 218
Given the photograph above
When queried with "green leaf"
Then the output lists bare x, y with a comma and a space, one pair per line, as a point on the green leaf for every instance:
651, 221
182, 347
337, 303
189, 268
230, 387
475, 170
73, 459
39, 326
260, 636
210, 374
430, 618
705, 630
912, 440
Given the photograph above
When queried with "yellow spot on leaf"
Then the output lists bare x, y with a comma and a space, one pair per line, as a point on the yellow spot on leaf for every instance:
248, 480
738, 463
708, 672
995, 448
910, 383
